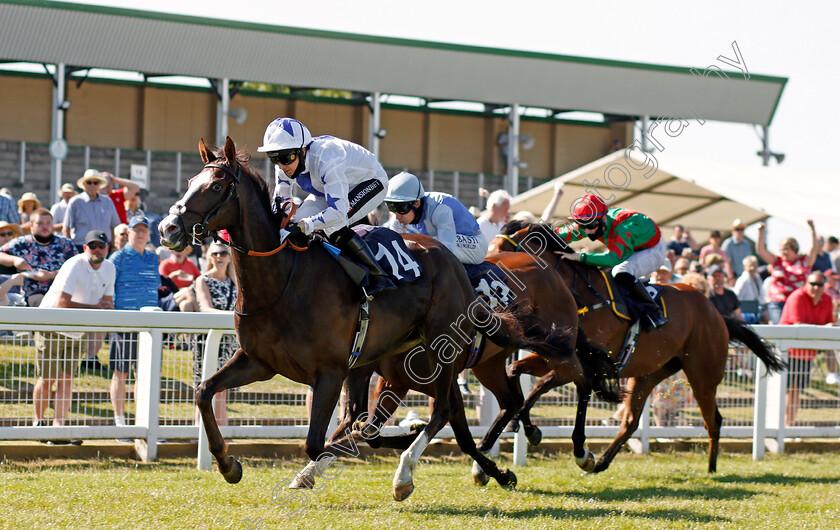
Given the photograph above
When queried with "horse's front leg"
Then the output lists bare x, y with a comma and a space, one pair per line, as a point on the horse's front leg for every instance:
324, 398
583, 456
239, 371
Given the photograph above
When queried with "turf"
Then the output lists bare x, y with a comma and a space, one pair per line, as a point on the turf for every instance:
661, 490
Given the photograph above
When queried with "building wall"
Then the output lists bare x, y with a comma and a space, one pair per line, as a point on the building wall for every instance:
25, 106
175, 120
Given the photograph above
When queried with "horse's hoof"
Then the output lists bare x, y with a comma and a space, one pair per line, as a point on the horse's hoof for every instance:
508, 479
357, 426
534, 435
235, 474
480, 478
513, 426
402, 491
586, 462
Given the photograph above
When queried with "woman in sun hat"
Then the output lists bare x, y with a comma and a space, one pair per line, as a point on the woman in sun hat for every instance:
27, 204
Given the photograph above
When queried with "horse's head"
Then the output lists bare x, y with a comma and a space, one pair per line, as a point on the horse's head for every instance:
533, 238
210, 202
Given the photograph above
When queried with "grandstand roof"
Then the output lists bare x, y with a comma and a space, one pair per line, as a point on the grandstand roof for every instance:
163, 44
701, 195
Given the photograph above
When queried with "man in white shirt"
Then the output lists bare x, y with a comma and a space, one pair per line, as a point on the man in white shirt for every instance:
497, 214
85, 281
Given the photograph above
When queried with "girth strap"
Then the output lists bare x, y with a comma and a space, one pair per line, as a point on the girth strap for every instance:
361, 332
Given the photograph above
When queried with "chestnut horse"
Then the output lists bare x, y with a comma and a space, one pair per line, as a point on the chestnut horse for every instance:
532, 286
297, 312
694, 340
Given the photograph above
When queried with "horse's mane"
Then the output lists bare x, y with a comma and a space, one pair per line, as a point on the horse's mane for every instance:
243, 159
553, 243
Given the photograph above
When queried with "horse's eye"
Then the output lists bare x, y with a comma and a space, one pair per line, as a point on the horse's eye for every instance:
217, 187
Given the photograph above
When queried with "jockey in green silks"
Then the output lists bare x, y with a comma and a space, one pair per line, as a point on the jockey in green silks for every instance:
634, 247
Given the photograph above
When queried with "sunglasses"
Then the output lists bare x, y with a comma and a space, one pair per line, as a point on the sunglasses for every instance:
219, 254
283, 158
400, 208
817, 284
91, 182
93, 245
6, 234
737, 229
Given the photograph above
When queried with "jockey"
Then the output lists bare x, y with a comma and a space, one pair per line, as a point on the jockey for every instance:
634, 246
344, 180
438, 215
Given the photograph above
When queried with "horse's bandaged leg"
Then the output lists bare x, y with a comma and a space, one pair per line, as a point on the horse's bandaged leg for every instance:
403, 482
306, 477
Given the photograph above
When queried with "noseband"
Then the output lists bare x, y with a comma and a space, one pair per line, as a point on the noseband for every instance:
198, 229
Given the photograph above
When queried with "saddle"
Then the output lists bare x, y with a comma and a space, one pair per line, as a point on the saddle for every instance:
624, 305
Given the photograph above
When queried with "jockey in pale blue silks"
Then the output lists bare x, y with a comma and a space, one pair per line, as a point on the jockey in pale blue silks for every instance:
345, 182
438, 215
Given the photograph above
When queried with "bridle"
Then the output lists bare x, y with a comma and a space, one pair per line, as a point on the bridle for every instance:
197, 230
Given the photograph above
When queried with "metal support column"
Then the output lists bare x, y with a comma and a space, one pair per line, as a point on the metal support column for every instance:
513, 150
375, 120
58, 109
222, 109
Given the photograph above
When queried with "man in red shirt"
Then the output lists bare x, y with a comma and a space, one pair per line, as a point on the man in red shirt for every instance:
807, 305
180, 269
121, 196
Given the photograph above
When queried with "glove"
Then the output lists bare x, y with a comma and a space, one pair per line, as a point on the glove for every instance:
296, 235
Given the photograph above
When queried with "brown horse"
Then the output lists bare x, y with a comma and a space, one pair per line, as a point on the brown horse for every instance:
695, 339
532, 286
297, 312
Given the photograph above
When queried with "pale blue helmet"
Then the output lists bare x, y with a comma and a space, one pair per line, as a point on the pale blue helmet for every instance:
285, 133
404, 187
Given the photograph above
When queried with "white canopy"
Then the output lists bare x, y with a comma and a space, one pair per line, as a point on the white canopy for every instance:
701, 195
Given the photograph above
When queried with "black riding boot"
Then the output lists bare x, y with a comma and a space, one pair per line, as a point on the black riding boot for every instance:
637, 289
348, 240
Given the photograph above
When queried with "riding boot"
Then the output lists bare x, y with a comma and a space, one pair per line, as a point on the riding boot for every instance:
640, 293
348, 240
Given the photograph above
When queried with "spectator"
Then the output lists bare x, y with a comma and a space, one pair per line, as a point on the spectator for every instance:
133, 207
806, 305
788, 270
60, 208
85, 281
182, 271
15, 280
42, 253
698, 281
662, 275
696, 267
8, 209
713, 247
8, 231
832, 280
749, 289
832, 246
90, 210
135, 286
496, 215
681, 266
682, 244
216, 293
737, 247
823, 261
27, 204
120, 237
551, 207
724, 300
121, 196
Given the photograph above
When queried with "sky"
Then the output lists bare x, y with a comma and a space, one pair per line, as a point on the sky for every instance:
787, 39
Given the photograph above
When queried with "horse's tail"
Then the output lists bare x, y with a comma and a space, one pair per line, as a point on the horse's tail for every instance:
600, 369
521, 329
744, 333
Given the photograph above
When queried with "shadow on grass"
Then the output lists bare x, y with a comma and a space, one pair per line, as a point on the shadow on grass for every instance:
558, 513
695, 491
774, 478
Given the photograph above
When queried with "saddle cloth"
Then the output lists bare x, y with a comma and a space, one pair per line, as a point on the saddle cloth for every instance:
624, 305
389, 249
488, 279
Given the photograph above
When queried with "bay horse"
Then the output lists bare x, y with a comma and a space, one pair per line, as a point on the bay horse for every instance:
297, 312
695, 339
531, 286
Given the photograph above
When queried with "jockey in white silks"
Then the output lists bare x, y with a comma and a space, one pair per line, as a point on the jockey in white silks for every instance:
345, 182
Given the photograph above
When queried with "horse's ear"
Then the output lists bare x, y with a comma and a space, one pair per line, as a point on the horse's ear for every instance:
207, 156
230, 152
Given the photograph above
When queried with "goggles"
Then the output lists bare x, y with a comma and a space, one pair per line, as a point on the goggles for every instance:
400, 208
283, 158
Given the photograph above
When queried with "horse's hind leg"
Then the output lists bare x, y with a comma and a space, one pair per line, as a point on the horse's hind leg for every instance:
357, 386
491, 375
544, 385
704, 392
638, 389
239, 371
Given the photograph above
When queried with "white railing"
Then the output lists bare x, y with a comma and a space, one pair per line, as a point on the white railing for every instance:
158, 415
